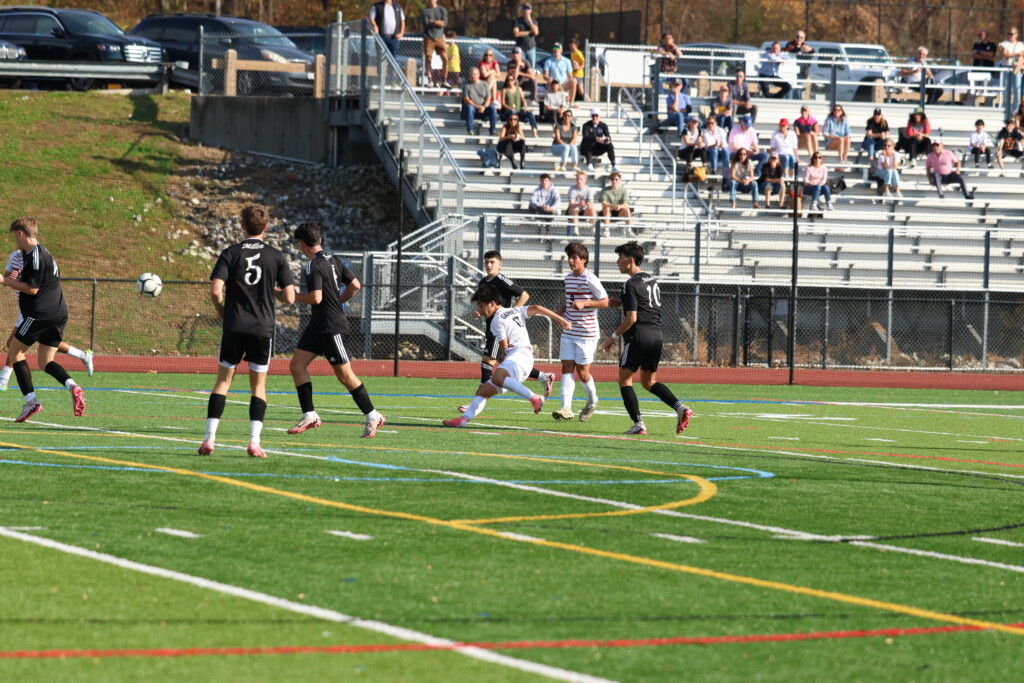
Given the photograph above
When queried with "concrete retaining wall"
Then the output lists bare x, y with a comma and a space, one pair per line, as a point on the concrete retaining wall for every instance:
291, 127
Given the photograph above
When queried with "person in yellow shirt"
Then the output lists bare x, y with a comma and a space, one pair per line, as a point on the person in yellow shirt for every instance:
578, 63
454, 67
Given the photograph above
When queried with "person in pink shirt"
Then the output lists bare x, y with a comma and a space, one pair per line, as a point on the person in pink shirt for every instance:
943, 166
807, 130
816, 182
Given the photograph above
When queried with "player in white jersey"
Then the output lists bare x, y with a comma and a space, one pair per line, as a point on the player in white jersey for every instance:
584, 294
15, 262
509, 328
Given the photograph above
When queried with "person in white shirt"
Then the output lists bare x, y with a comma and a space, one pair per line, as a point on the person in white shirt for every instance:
388, 20
716, 145
917, 69
508, 325
785, 143
581, 202
980, 144
887, 164
584, 294
1009, 53
744, 136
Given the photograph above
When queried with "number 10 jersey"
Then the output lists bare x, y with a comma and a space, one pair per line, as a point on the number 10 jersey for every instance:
251, 270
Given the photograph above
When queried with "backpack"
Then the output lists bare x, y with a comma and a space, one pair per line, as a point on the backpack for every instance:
837, 185
488, 157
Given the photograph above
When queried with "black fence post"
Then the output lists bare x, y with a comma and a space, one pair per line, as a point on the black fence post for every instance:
791, 320
952, 313
746, 329
398, 262
450, 304
824, 333
696, 252
92, 321
735, 359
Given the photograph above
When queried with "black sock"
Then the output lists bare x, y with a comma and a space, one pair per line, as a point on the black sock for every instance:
632, 404
215, 408
485, 372
665, 394
305, 392
257, 409
362, 399
535, 374
24, 376
57, 372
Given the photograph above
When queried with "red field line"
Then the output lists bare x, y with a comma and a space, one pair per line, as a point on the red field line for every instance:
603, 373
509, 645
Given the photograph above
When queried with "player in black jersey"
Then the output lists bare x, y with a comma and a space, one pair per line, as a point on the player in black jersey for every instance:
325, 331
511, 296
44, 313
641, 332
246, 279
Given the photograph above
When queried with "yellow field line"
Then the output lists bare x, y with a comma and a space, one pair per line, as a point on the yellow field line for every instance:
579, 549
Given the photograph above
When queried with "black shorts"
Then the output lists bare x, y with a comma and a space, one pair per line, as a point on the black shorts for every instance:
492, 347
46, 332
645, 355
330, 346
236, 346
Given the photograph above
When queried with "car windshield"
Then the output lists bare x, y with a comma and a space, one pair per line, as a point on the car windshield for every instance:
83, 22
868, 54
261, 34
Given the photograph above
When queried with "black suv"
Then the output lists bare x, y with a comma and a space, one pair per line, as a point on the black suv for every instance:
72, 35
179, 36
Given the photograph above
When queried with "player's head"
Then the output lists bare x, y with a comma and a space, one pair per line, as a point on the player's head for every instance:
579, 256
25, 231
631, 255
486, 299
308, 234
255, 220
492, 262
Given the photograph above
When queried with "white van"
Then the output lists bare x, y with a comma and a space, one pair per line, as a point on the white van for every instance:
856, 64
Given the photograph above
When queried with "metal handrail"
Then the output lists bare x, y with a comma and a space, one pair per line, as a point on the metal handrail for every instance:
653, 139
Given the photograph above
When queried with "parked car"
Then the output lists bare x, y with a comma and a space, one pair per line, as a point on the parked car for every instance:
73, 35
311, 39
9, 52
719, 60
179, 36
861, 63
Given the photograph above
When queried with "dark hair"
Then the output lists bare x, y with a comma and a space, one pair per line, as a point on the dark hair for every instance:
486, 293
255, 219
26, 224
308, 234
545, 175
579, 250
633, 250
493, 253
979, 122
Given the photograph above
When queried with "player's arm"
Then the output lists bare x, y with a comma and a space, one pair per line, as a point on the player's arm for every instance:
312, 298
548, 313
627, 322
521, 301
580, 304
350, 290
286, 294
217, 295
12, 282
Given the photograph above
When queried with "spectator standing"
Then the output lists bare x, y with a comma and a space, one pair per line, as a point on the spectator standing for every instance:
1009, 53
454, 60
513, 101
526, 77
579, 63
807, 130
525, 31
799, 49
771, 62
875, 131
716, 146
477, 101
388, 20
745, 137
1018, 116
980, 144
1009, 142
691, 143
596, 140
887, 164
544, 199
558, 69
566, 142
554, 103
915, 140
678, 106
435, 20
784, 143
741, 178
984, 51
739, 94
816, 182
944, 167
615, 201
511, 141
837, 134
917, 69
581, 202
489, 71
772, 181
668, 54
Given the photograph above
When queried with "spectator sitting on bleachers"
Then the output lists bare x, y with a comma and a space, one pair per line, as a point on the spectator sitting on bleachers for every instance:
523, 71
875, 131
745, 137
1009, 142
741, 178
558, 69
512, 141
691, 143
943, 166
579, 62
489, 71
544, 200
454, 59
816, 183
914, 138
678, 105
566, 143
739, 94
554, 103
581, 202
615, 201
980, 144
807, 130
917, 69
837, 134
887, 164
476, 101
595, 140
721, 108
771, 180
771, 61
716, 146
1018, 116
513, 101
784, 143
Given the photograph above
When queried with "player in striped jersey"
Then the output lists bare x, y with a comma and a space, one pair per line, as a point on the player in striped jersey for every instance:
15, 263
584, 294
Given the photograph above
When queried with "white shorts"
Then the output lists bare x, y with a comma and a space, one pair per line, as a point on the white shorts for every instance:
518, 365
578, 349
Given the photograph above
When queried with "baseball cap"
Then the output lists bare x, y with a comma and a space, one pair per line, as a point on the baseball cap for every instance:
517, 50
878, 110
556, 46
783, 122
527, 6
595, 111
748, 120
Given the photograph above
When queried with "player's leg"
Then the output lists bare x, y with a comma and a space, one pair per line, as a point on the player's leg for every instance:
47, 351
304, 387
568, 382
84, 356
475, 407
5, 373
232, 348
547, 378
649, 378
355, 386
509, 376
628, 365
16, 354
586, 350
257, 352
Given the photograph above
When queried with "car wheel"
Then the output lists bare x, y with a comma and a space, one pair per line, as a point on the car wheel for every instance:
82, 84
245, 83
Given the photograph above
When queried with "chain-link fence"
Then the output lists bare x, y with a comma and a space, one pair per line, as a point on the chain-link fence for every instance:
255, 64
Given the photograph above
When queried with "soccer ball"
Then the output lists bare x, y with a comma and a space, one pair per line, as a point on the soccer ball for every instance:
149, 285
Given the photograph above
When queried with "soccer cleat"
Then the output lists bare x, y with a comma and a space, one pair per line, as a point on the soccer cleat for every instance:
77, 401
206, 448
456, 422
464, 408
684, 419
28, 411
549, 381
562, 414
537, 402
87, 361
638, 428
255, 451
588, 412
372, 426
304, 424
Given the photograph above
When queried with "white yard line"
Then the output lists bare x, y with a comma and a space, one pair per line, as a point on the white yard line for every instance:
180, 533
323, 613
351, 534
679, 539
997, 541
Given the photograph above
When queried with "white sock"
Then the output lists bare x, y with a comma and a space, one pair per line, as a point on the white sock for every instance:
211, 428
69, 383
255, 429
371, 416
515, 386
76, 353
5, 374
591, 389
476, 406
30, 397
568, 387
311, 415
544, 376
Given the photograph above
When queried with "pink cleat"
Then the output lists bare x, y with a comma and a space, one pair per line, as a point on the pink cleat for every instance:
537, 402
255, 451
304, 424
28, 411
548, 383
464, 408
684, 419
372, 426
206, 448
79, 402
638, 428
456, 422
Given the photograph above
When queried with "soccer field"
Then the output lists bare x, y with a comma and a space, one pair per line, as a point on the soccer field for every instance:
792, 533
